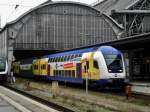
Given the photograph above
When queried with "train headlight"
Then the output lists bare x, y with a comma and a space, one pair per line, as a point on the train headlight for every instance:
109, 70
110, 80
126, 81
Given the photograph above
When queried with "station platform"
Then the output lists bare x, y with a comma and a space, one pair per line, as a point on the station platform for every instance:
141, 88
11, 101
6, 107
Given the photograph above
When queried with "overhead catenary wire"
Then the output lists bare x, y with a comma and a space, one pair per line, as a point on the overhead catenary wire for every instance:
10, 5
15, 9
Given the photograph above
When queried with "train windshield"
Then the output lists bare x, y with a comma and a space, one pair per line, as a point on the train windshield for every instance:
114, 63
2, 65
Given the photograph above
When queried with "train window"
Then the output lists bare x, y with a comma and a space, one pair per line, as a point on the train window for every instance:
61, 59
54, 72
73, 72
69, 57
75, 56
52, 60
59, 72
72, 56
65, 58
44, 67
62, 73
87, 64
65, 73
49, 60
57, 59
95, 64
34, 66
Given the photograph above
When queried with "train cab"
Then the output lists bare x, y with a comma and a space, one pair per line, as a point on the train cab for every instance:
3, 69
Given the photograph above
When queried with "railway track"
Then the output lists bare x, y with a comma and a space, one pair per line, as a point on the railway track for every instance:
108, 90
74, 96
40, 100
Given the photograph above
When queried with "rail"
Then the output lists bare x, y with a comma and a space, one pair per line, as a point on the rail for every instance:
47, 103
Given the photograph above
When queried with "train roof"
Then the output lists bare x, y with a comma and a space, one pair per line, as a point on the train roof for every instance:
69, 52
80, 51
108, 50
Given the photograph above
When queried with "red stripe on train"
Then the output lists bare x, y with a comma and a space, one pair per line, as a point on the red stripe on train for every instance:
68, 65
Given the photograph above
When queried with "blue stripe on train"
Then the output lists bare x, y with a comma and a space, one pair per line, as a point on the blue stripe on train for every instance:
69, 52
67, 79
101, 82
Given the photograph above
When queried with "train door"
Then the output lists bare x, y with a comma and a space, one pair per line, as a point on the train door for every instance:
78, 70
85, 68
94, 71
48, 69
36, 67
39, 68
90, 66
43, 67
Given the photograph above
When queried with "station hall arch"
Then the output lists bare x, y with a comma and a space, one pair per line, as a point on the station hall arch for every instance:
56, 26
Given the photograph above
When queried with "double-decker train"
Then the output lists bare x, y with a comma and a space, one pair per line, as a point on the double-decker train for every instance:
3, 69
101, 65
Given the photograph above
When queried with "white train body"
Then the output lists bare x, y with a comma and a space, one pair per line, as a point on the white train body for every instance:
110, 64
3, 69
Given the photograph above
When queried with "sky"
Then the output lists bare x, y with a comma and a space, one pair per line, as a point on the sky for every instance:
8, 12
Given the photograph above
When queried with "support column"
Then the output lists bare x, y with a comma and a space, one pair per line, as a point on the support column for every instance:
130, 54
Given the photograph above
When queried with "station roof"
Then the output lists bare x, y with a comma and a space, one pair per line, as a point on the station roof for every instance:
61, 2
131, 42
127, 43
107, 6
133, 11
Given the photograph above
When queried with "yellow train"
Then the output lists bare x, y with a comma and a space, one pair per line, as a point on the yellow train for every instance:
102, 65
